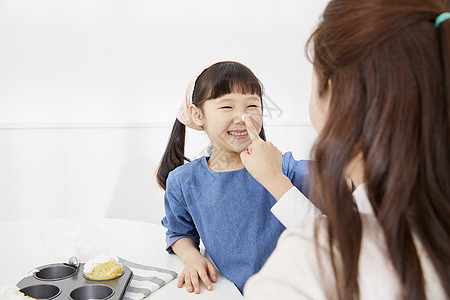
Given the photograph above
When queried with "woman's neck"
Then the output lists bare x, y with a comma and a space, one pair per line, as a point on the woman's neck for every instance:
222, 161
355, 170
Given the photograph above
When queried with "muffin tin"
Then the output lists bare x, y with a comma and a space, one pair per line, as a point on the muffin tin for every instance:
63, 281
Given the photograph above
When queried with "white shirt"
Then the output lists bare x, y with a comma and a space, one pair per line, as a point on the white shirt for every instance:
293, 206
293, 272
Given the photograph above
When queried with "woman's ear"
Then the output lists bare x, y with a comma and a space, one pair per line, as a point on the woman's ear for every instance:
196, 115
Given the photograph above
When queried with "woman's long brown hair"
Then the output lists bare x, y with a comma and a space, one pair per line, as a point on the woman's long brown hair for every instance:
389, 69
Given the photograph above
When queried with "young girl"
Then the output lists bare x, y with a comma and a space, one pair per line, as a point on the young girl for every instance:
214, 198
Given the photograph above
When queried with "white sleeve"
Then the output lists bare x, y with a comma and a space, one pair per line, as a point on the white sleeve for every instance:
292, 270
293, 207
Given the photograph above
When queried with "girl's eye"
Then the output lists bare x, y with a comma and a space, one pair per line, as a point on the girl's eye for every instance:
252, 106
225, 107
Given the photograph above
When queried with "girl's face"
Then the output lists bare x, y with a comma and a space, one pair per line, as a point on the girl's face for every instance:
318, 105
222, 120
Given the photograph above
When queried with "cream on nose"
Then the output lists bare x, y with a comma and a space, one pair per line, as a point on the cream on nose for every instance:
243, 116
238, 118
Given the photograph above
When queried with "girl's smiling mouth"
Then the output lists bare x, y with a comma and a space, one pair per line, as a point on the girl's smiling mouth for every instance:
239, 134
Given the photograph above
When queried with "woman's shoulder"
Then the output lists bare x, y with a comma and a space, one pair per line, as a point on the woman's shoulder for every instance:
375, 257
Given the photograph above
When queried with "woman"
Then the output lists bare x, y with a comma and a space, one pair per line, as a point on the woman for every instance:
381, 105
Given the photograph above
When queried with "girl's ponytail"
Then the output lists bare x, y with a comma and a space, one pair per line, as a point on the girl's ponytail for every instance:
174, 155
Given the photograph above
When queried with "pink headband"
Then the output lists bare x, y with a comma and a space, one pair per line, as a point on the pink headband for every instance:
183, 113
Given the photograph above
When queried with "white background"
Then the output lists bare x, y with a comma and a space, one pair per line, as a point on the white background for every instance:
89, 90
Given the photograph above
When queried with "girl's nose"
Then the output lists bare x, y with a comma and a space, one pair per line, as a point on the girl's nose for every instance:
238, 118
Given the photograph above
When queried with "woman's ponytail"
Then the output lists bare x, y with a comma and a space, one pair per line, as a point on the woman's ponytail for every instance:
174, 155
444, 31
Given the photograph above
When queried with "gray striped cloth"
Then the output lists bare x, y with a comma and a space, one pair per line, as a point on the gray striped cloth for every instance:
145, 280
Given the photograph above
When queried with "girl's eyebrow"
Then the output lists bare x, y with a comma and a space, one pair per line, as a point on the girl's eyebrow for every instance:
223, 99
231, 99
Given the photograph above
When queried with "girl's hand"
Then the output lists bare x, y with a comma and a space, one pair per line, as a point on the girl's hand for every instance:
264, 162
197, 266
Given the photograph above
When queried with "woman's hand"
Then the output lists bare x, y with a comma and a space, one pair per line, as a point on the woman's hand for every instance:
197, 266
264, 162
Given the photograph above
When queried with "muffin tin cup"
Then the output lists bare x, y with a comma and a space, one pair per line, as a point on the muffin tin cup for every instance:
62, 281
41, 291
58, 272
88, 292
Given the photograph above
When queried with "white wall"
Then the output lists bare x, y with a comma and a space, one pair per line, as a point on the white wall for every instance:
96, 172
89, 90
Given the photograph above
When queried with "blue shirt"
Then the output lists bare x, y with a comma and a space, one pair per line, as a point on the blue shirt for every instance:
229, 212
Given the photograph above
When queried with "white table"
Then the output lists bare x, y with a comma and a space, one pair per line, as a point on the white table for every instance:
26, 245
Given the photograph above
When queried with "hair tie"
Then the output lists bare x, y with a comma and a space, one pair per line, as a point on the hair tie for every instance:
441, 18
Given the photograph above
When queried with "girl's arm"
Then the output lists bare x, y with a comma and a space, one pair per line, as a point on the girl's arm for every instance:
183, 239
196, 265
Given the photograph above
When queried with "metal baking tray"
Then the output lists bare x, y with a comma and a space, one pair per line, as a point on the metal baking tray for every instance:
63, 281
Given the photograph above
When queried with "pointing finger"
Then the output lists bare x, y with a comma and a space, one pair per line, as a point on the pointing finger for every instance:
252, 132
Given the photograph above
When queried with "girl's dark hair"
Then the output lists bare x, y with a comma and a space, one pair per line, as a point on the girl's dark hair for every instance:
220, 79
389, 69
